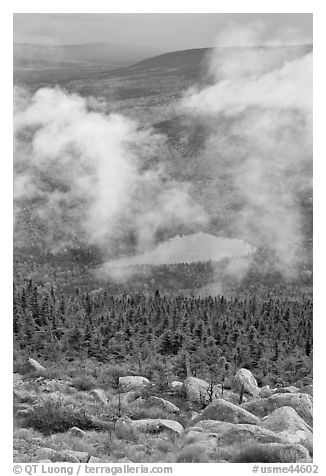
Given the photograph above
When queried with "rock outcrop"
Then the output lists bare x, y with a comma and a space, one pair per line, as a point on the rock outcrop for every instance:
176, 386
100, 395
36, 366
75, 431
307, 389
244, 379
286, 422
197, 390
231, 433
157, 424
265, 392
161, 402
223, 410
234, 397
301, 402
124, 398
289, 389
129, 383
67, 456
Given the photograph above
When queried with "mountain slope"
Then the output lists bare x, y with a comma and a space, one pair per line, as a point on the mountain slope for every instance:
35, 63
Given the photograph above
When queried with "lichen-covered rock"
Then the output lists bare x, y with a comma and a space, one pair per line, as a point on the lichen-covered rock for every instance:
75, 431
265, 392
226, 411
301, 402
124, 399
54, 385
111, 459
129, 383
80, 456
67, 456
25, 396
176, 386
244, 379
211, 426
157, 424
17, 380
197, 390
161, 402
100, 395
234, 433
94, 459
36, 366
23, 412
307, 389
289, 389
286, 422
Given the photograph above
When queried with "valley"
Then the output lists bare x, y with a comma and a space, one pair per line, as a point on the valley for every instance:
166, 244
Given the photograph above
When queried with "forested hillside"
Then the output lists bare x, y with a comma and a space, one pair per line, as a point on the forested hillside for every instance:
271, 336
162, 297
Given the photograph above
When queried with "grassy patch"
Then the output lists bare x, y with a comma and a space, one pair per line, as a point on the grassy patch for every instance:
127, 433
192, 454
52, 416
165, 446
67, 441
263, 453
84, 383
141, 411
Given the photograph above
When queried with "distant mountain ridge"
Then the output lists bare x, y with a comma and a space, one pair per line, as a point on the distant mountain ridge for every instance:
93, 52
33, 63
180, 58
48, 64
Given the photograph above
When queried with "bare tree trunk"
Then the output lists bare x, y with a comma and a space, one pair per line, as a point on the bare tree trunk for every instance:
119, 407
241, 394
140, 362
187, 364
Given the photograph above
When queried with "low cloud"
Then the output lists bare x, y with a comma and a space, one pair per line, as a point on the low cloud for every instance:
264, 95
90, 176
86, 177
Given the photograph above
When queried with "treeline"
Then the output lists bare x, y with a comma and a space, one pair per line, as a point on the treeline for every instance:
271, 336
84, 269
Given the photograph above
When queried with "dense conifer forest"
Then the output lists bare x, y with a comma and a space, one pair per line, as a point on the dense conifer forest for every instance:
266, 332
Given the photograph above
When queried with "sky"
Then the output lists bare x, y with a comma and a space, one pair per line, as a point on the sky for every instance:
162, 31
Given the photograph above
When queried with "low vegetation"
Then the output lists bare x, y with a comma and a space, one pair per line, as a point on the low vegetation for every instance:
70, 422
51, 416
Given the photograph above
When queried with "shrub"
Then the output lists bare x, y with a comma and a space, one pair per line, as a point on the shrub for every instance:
164, 446
52, 416
20, 366
67, 441
257, 453
84, 383
108, 375
27, 434
288, 455
191, 438
192, 454
126, 433
57, 373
